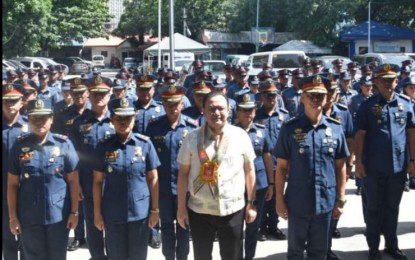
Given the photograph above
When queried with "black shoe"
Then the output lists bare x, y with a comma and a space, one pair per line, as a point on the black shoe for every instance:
395, 253
155, 241
74, 245
336, 233
374, 254
332, 256
352, 176
358, 191
277, 233
262, 235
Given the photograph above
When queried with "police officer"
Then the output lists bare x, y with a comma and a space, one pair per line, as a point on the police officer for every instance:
53, 82
352, 68
272, 116
79, 96
167, 133
311, 152
171, 80
405, 72
246, 107
292, 96
45, 93
365, 71
346, 92
284, 78
127, 205
409, 90
29, 89
337, 65
385, 152
91, 128
147, 108
316, 66
365, 92
14, 127
65, 103
12, 76
197, 66
200, 90
241, 83
43, 187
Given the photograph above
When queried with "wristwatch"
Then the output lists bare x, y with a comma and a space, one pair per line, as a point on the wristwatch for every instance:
76, 213
251, 202
341, 203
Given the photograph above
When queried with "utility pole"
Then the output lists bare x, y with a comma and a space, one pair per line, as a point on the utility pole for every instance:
257, 23
184, 21
171, 32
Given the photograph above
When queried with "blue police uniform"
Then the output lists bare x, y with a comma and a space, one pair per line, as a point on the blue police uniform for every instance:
195, 114
311, 184
48, 96
63, 123
125, 194
273, 126
87, 133
291, 98
385, 158
237, 89
167, 141
43, 204
345, 97
10, 134
56, 88
258, 134
144, 115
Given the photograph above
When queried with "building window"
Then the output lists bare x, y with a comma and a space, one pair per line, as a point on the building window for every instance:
104, 53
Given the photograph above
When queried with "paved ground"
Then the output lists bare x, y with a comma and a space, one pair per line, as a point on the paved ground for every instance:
352, 245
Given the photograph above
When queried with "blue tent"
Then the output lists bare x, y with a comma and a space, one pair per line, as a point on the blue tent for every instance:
378, 31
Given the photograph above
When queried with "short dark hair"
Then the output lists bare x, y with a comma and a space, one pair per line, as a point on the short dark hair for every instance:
214, 94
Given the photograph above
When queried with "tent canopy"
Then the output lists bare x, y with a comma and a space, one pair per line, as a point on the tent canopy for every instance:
378, 31
302, 45
181, 44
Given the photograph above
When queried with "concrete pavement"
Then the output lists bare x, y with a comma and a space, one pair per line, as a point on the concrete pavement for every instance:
352, 245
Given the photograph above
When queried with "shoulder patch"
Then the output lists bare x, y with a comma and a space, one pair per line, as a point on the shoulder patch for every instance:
283, 110
259, 125
60, 137
404, 97
342, 106
190, 120
142, 137
330, 119
291, 120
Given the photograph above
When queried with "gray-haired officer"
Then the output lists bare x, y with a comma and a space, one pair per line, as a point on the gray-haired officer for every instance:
43, 187
385, 153
167, 133
346, 91
246, 108
311, 153
147, 108
14, 127
91, 128
128, 204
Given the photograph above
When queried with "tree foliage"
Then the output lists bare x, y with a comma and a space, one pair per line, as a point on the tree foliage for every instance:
33, 25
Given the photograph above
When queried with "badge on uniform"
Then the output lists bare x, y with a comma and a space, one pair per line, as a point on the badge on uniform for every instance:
25, 128
138, 151
329, 132
157, 109
109, 169
69, 122
331, 150
301, 150
111, 126
86, 140
111, 156
85, 128
280, 117
159, 149
184, 133
55, 151
339, 118
259, 134
26, 175
400, 106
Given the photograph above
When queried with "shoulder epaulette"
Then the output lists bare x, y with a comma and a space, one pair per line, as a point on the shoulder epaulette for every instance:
142, 137
154, 120
333, 120
259, 125
342, 106
158, 102
60, 137
292, 119
190, 120
283, 110
404, 97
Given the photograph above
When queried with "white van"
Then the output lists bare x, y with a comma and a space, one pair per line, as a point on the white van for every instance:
279, 59
98, 61
190, 56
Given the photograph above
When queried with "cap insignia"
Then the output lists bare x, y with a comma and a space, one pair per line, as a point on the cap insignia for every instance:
124, 103
172, 89
77, 81
317, 80
144, 78
98, 80
9, 88
387, 67
39, 104
246, 98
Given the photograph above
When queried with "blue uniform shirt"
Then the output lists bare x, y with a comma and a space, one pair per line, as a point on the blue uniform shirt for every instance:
125, 195
311, 152
48, 97
43, 195
87, 132
385, 151
10, 135
167, 142
291, 98
144, 115
355, 103
345, 97
341, 113
63, 123
236, 89
195, 114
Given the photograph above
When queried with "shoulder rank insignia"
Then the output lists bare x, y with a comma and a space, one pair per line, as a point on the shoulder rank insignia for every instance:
405, 97
260, 125
60, 137
341, 106
292, 119
330, 119
142, 137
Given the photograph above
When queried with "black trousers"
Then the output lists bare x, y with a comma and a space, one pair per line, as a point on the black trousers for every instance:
229, 229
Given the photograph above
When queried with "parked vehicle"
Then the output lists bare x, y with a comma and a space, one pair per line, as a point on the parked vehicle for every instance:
16, 64
327, 59
39, 62
214, 66
177, 56
381, 58
130, 63
79, 67
98, 61
236, 59
80, 59
279, 59
76, 65
115, 62
179, 64
7, 65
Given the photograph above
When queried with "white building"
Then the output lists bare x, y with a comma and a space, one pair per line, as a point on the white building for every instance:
116, 9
